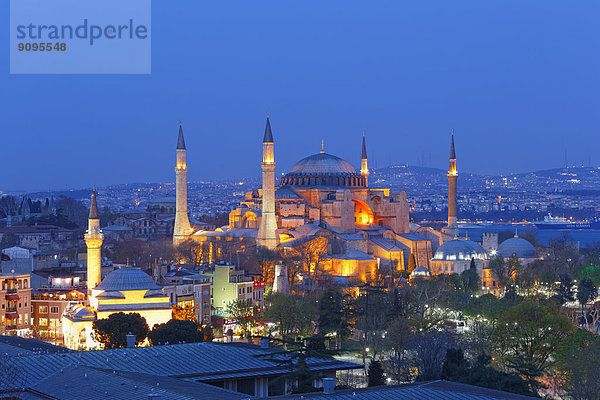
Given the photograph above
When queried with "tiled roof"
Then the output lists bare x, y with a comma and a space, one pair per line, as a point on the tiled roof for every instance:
81, 382
435, 390
204, 361
389, 245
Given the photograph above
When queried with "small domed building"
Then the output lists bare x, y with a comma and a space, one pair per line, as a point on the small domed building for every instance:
454, 256
518, 247
128, 290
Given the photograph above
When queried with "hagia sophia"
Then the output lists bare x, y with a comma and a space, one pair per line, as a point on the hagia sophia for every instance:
322, 195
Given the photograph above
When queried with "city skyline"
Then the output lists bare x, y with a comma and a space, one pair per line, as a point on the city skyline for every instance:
503, 79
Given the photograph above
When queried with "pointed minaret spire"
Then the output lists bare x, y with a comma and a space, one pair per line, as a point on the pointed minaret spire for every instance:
452, 151
93, 206
364, 148
268, 138
267, 231
93, 240
322, 146
182, 228
452, 178
364, 169
180, 141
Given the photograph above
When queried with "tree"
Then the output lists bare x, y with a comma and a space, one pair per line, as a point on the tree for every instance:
73, 210
578, 363
472, 265
334, 314
489, 306
500, 270
527, 336
565, 289
561, 255
591, 272
265, 263
471, 281
184, 313
429, 349
112, 331
207, 332
293, 262
376, 374
283, 311
311, 252
457, 369
586, 291
176, 331
399, 339
412, 264
241, 311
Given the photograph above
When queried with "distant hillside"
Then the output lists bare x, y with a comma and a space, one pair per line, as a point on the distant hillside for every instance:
423, 178
434, 179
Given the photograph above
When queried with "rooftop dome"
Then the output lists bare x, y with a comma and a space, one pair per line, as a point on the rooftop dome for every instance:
127, 278
518, 247
323, 169
322, 163
459, 250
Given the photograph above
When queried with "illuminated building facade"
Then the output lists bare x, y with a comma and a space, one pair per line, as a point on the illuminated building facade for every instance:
323, 195
15, 304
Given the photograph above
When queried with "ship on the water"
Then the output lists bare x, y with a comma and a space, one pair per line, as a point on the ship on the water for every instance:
552, 222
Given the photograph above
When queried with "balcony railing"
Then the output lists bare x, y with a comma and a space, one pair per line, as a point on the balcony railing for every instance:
11, 291
11, 326
11, 309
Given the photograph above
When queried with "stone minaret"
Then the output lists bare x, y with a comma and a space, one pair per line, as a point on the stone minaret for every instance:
93, 241
182, 228
364, 170
267, 232
452, 178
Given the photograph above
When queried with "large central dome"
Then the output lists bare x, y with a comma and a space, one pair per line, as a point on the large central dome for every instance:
322, 163
323, 170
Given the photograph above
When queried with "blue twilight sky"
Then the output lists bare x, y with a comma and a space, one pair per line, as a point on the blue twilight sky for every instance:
517, 80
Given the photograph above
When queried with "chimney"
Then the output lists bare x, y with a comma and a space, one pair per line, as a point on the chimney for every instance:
328, 385
264, 343
130, 340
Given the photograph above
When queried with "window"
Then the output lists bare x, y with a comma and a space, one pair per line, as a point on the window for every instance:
43, 309
43, 321
54, 310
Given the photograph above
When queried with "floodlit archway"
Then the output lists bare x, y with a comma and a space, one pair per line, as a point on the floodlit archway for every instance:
363, 215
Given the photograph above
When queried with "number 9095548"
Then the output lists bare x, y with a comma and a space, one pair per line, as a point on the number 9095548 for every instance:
42, 47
